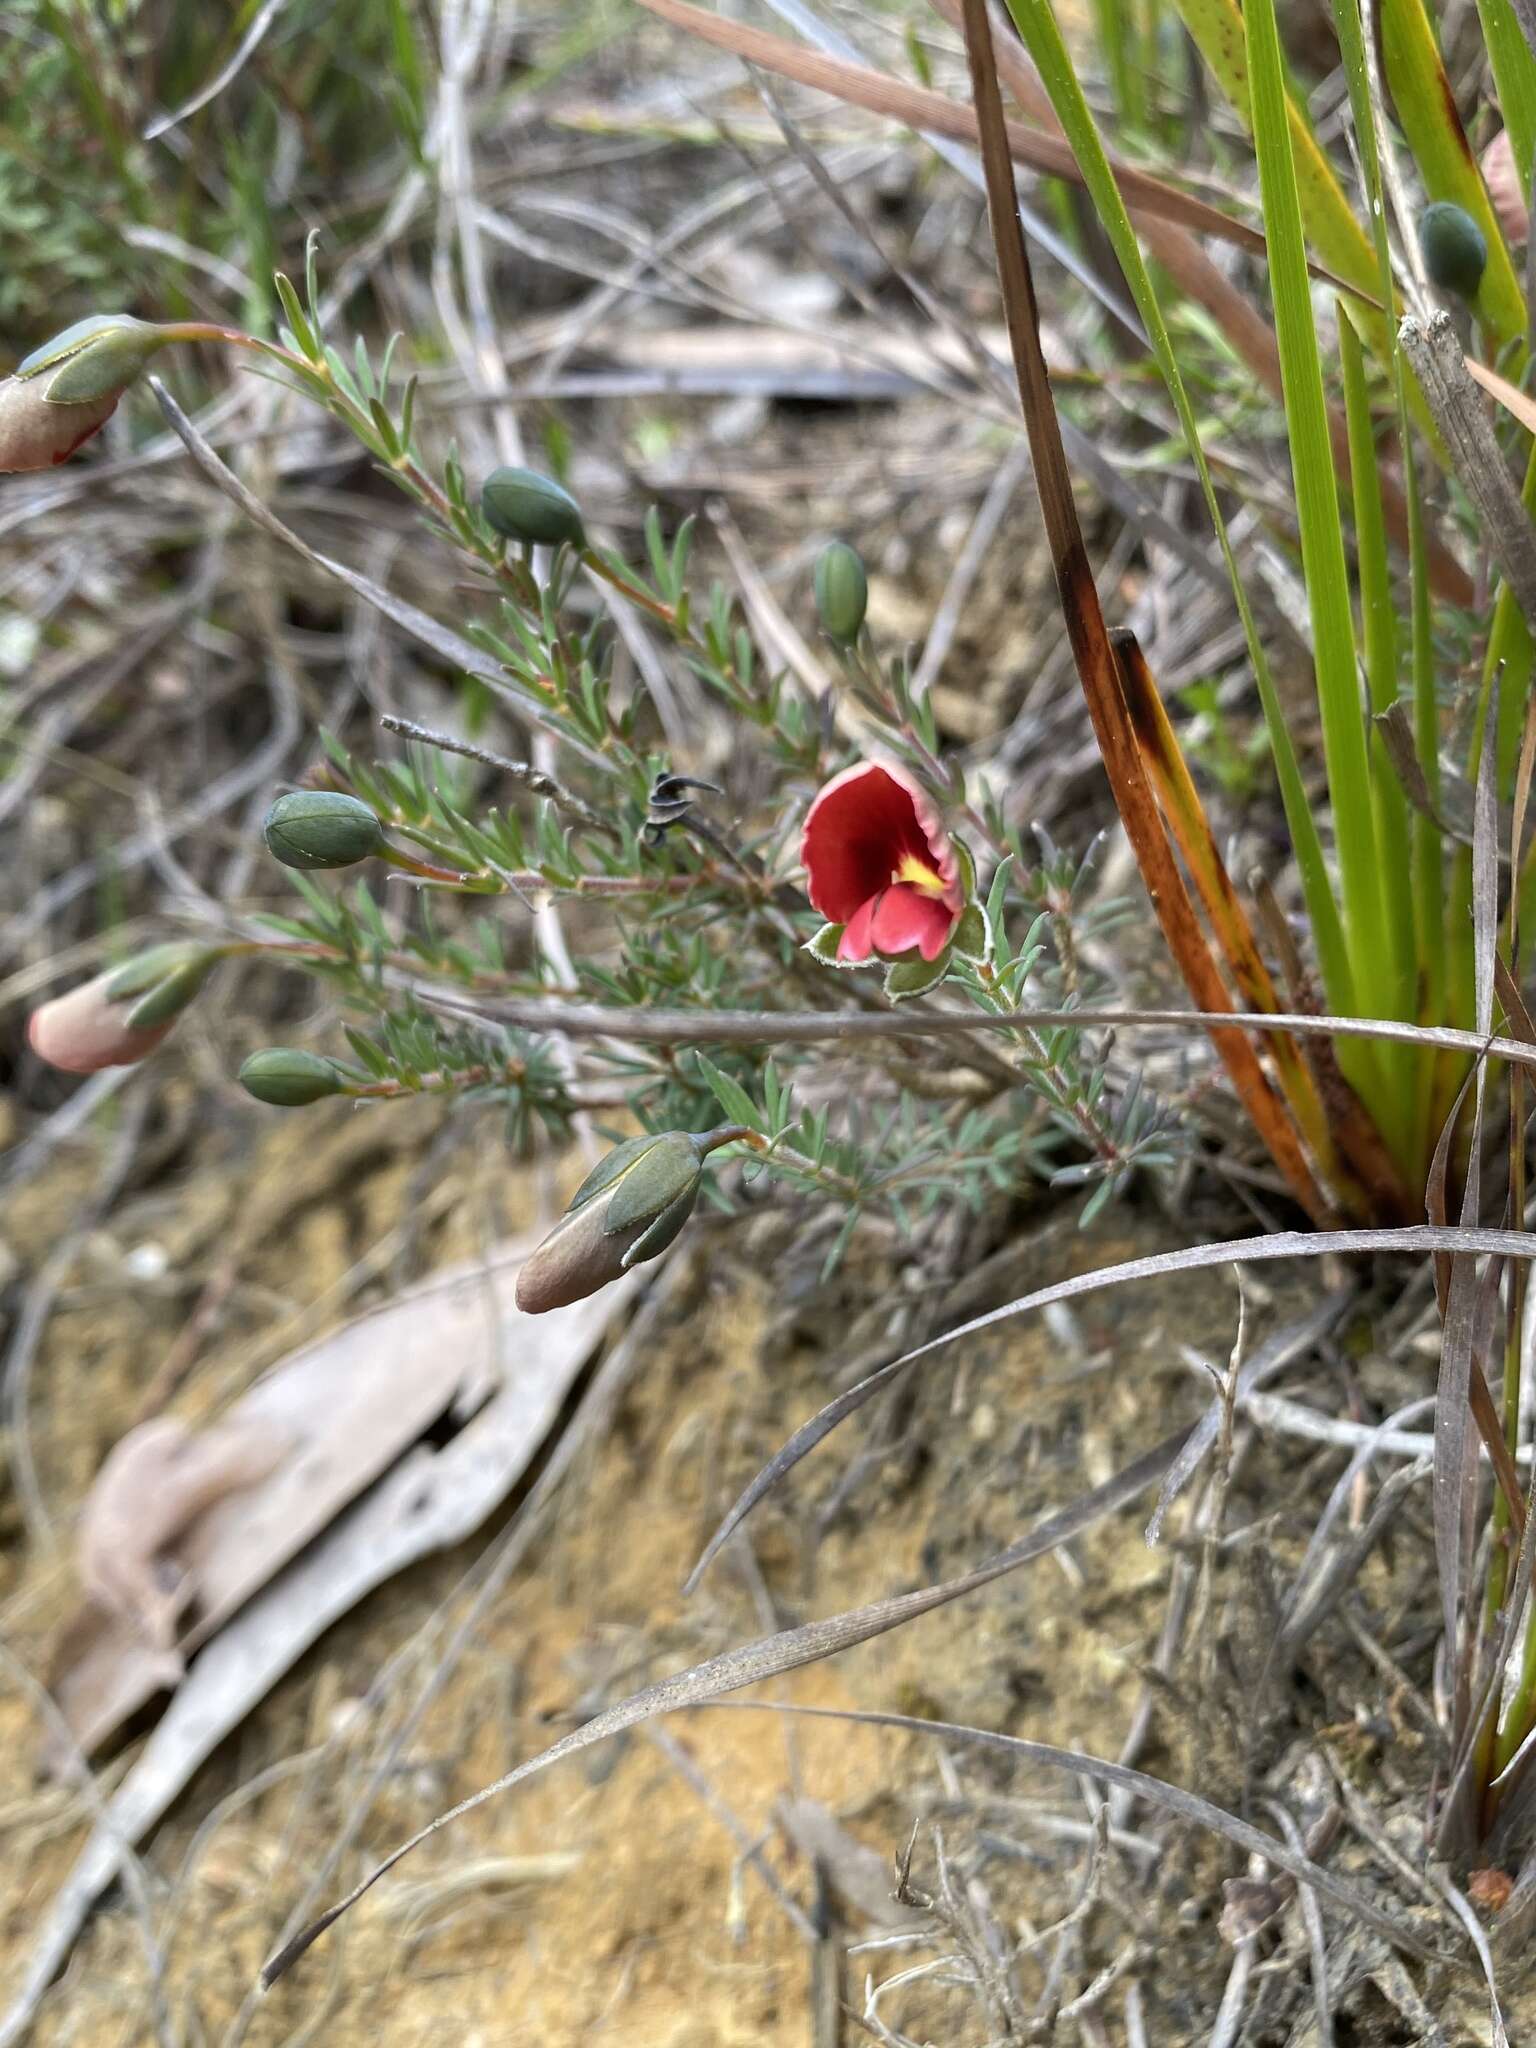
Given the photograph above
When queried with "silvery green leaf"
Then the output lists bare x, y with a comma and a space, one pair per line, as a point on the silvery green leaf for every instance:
970, 935
914, 977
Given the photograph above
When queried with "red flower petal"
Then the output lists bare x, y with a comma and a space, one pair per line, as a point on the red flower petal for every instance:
856, 946
859, 830
905, 917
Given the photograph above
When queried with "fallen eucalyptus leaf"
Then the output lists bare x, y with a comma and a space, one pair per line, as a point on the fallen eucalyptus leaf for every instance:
429, 1500
153, 1485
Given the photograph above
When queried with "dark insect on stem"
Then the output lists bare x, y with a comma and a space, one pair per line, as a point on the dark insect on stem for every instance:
670, 804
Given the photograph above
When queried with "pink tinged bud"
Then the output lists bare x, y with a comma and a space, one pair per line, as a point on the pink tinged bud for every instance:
879, 862
628, 1209
88, 1029
119, 1018
1503, 182
60, 395
35, 434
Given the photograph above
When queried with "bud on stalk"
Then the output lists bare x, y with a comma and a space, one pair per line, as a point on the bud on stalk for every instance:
119, 1018
522, 505
321, 828
58, 396
286, 1077
1455, 248
842, 591
627, 1210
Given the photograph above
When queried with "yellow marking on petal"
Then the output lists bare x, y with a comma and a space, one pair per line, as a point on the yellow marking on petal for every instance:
919, 875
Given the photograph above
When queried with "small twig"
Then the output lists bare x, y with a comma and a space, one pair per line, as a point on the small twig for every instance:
533, 779
1461, 414
1229, 2017
1311, 1915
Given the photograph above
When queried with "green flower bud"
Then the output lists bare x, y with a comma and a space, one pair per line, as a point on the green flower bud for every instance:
842, 591
288, 1078
1455, 248
321, 828
628, 1209
522, 505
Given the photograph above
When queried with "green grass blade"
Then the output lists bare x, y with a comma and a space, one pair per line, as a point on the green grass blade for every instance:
1117, 27
1037, 25
1379, 637
1327, 212
1426, 107
1510, 657
1426, 863
1322, 540
1432, 902
1216, 27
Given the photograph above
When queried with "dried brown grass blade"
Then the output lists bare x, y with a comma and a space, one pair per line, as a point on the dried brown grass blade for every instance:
1514, 401
1455, 1453
1097, 665
1156, 1791
811, 1027
1510, 995
916, 106
1369, 1171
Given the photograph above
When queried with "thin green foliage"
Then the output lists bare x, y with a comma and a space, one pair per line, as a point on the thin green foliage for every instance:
1037, 25
1322, 547
1379, 638
1216, 27
1117, 25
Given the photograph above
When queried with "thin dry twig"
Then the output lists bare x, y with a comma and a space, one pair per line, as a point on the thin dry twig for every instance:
1436, 358
536, 780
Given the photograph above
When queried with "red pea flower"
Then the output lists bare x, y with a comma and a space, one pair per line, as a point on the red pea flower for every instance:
879, 862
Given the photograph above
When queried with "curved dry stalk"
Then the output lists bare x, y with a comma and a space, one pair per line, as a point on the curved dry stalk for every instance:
1284, 1244
858, 85
770, 1657
790, 1649
646, 1026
